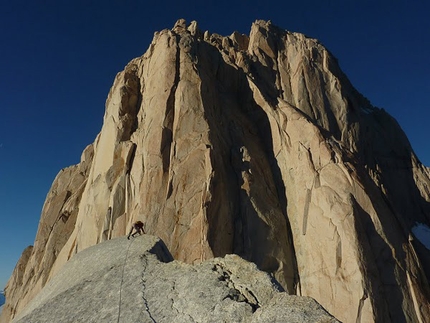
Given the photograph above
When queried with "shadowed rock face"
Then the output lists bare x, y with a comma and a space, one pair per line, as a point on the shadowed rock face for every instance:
137, 281
257, 146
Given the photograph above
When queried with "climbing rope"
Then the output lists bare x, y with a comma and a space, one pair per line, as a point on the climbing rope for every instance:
122, 280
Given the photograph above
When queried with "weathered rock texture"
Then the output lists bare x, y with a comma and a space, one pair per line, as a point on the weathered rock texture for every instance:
258, 146
137, 281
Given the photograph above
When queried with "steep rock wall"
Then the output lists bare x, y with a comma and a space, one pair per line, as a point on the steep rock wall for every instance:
258, 146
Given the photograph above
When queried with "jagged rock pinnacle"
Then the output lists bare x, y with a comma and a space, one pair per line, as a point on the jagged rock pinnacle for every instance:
255, 145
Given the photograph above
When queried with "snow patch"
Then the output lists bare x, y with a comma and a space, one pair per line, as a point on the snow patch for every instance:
422, 233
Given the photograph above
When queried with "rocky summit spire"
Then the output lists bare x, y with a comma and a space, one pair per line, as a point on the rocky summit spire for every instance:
255, 145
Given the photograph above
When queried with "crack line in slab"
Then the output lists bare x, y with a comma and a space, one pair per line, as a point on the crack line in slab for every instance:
145, 301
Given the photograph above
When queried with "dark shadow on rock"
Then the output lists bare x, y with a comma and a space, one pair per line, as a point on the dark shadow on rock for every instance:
161, 251
379, 269
386, 151
236, 121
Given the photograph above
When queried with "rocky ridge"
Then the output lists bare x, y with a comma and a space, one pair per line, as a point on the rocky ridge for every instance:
137, 281
257, 146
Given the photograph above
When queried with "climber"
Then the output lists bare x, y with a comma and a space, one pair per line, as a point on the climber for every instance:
138, 226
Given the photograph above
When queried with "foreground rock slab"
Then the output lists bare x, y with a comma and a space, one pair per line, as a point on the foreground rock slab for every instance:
137, 281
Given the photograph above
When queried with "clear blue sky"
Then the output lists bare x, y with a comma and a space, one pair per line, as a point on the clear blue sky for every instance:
58, 60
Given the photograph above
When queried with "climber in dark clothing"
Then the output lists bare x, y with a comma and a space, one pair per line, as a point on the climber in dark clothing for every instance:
138, 226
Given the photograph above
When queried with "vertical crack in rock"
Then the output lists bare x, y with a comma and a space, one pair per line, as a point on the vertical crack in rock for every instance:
131, 99
107, 225
304, 103
128, 187
333, 125
64, 215
360, 307
338, 250
306, 210
144, 260
317, 181
130, 158
174, 295
167, 132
